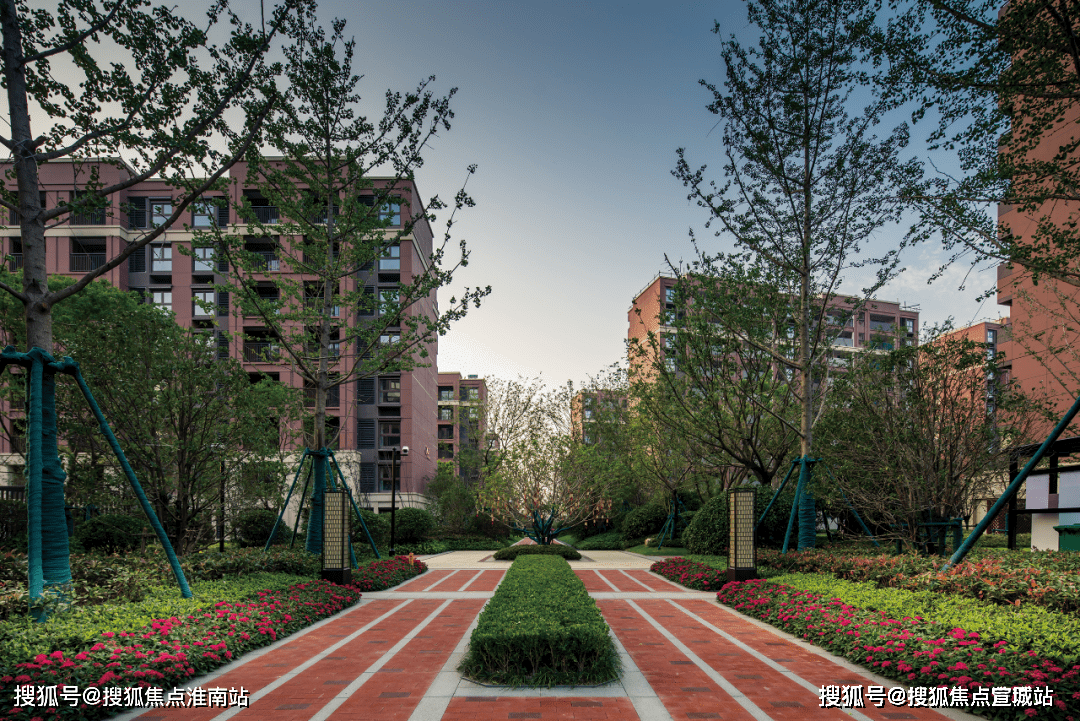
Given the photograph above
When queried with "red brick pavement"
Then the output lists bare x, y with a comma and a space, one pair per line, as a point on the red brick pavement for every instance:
807, 664
393, 693
477, 708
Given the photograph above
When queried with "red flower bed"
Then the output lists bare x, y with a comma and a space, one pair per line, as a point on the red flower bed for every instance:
914, 651
691, 574
170, 651
381, 575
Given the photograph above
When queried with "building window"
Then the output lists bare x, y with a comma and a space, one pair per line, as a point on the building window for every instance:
389, 339
446, 413
446, 433
389, 434
160, 258
203, 303
908, 325
474, 413
386, 477
389, 390
391, 259
882, 323
474, 394
162, 299
160, 210
392, 212
446, 393
991, 336
446, 451
204, 260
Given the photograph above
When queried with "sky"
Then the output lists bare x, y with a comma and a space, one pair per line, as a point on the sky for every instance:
573, 113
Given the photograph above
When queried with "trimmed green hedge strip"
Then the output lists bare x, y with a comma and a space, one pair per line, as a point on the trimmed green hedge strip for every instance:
541, 628
511, 552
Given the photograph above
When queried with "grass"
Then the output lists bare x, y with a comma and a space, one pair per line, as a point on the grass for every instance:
665, 551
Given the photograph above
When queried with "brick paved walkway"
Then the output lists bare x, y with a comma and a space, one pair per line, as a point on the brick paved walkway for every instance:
394, 656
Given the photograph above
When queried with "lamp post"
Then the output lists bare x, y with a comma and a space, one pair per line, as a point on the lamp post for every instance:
393, 488
742, 549
395, 473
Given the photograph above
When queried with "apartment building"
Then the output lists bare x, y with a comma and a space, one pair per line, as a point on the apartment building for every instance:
370, 416
460, 415
877, 325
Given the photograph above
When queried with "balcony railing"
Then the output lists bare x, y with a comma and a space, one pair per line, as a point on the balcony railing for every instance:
266, 260
94, 217
265, 213
85, 262
14, 261
257, 352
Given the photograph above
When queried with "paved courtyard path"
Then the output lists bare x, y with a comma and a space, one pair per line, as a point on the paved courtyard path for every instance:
394, 656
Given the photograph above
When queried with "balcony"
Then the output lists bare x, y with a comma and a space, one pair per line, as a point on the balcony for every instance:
266, 261
267, 214
261, 352
94, 217
85, 262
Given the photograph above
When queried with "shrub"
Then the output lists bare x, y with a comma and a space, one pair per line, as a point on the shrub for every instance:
12, 525
1046, 578
541, 628
378, 525
113, 533
252, 527
708, 531
412, 525
474, 543
609, 541
644, 521
555, 549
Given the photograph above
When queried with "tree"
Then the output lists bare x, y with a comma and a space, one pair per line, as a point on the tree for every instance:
922, 432
709, 387
162, 118
337, 222
542, 480
515, 410
1004, 86
806, 187
192, 426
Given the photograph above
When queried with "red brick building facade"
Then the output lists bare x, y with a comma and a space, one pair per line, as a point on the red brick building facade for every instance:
374, 415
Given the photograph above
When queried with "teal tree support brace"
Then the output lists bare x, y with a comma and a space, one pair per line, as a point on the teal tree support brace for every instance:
315, 516
71, 367
281, 514
47, 544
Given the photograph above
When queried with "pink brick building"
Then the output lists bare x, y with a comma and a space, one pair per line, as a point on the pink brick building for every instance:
374, 414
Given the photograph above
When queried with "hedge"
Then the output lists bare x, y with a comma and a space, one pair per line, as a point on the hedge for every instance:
609, 541
1045, 578
555, 549
541, 628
